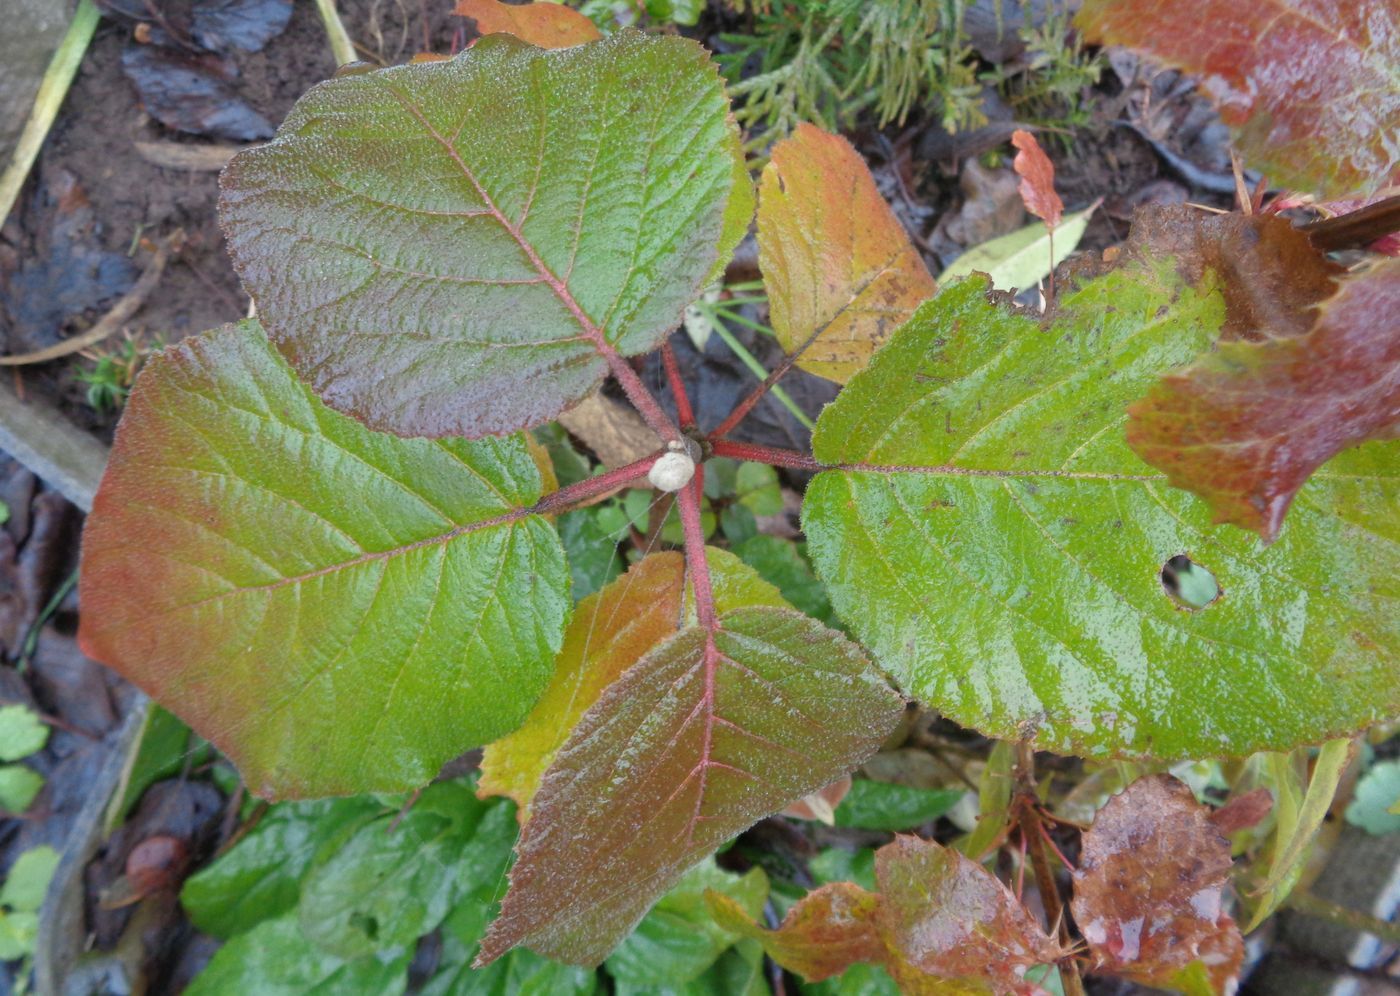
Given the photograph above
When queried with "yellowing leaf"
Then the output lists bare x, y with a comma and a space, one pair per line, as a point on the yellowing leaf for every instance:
548, 25
1022, 258
610, 631
840, 270
336, 609
826, 932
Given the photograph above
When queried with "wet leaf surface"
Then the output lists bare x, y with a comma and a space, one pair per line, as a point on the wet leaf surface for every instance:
510, 248
836, 262
1246, 425
1148, 893
193, 520
1308, 86
827, 931
548, 25
193, 93
982, 484
707, 734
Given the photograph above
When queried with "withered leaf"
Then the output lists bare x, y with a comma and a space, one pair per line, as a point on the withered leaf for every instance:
1037, 179
1149, 888
828, 930
548, 25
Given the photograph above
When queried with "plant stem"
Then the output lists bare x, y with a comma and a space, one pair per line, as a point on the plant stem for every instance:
765, 454
580, 492
643, 400
52, 89
688, 499
684, 411
1307, 903
751, 361
1028, 820
342, 48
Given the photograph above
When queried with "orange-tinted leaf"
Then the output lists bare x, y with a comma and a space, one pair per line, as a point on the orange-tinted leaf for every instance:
1309, 86
944, 915
1037, 179
708, 733
824, 934
1147, 895
1245, 426
1243, 812
609, 632
836, 261
548, 25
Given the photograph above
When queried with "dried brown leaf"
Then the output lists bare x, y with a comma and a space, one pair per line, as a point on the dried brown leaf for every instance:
1037, 179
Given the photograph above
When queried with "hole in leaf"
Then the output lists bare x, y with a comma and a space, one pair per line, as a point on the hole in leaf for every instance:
1188, 583
366, 924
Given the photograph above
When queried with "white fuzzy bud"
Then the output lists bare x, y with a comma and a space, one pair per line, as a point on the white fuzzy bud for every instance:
671, 472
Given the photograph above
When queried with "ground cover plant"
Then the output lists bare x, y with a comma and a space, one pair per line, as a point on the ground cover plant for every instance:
1155, 522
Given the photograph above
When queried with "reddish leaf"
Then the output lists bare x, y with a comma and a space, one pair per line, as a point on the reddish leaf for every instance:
824, 934
1268, 272
548, 25
705, 735
1147, 895
1245, 426
1037, 179
942, 914
1243, 812
1308, 85
840, 270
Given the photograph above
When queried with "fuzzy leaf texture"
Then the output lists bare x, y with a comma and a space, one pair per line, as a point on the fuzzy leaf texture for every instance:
1247, 424
939, 923
1149, 889
337, 610
983, 486
610, 631
464, 248
548, 25
1308, 86
837, 263
706, 734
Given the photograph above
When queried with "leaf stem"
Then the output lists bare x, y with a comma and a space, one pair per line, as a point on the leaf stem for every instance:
688, 500
1311, 905
758, 369
1028, 821
684, 411
342, 48
580, 492
774, 455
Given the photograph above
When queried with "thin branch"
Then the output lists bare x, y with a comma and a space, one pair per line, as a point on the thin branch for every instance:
584, 491
759, 371
774, 455
688, 499
684, 411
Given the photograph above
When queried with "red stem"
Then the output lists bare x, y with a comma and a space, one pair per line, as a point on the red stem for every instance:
688, 499
765, 454
643, 400
754, 397
591, 487
673, 374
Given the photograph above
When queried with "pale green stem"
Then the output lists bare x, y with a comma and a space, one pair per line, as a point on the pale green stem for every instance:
341, 46
752, 363
52, 89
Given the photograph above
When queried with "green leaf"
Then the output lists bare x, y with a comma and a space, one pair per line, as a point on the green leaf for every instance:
706, 734
410, 603
836, 864
260, 877
858, 980
1297, 827
872, 805
395, 879
1377, 798
984, 489
28, 880
756, 487
591, 548
464, 248
679, 940
782, 564
18, 934
275, 959
1022, 258
520, 973
18, 787
22, 732
164, 746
